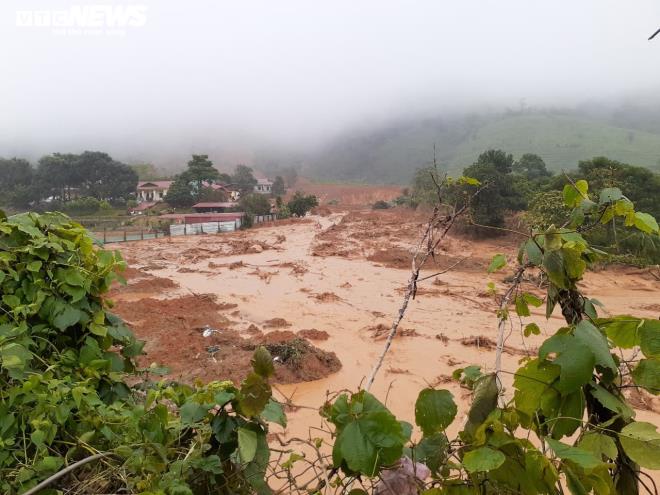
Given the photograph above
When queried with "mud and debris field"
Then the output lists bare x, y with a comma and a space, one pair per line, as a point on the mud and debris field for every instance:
321, 294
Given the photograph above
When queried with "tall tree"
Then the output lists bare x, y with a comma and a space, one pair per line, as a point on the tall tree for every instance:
16, 182
244, 179
493, 169
200, 169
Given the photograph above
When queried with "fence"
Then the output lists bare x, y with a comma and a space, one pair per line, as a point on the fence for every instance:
204, 228
176, 230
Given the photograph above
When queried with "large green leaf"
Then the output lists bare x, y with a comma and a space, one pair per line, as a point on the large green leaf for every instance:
484, 402
611, 402
609, 194
247, 444
369, 436
67, 318
483, 459
581, 457
15, 358
434, 410
262, 362
602, 446
254, 395
647, 374
623, 331
590, 336
192, 412
649, 338
274, 413
532, 382
575, 194
641, 442
645, 222
574, 358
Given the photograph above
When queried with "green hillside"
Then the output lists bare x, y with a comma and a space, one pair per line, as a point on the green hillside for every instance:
390, 155
562, 141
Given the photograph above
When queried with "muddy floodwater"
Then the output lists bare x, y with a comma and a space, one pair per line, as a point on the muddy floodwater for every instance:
331, 285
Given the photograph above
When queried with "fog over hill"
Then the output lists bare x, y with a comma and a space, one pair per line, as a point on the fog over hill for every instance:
345, 90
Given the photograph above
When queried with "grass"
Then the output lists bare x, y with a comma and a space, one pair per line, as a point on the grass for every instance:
392, 155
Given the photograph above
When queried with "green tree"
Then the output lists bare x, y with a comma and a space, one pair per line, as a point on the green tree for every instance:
531, 167
146, 171
300, 203
493, 169
200, 169
180, 194
255, 204
244, 179
16, 182
278, 188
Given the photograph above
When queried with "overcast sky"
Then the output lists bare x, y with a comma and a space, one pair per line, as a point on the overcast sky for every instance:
202, 74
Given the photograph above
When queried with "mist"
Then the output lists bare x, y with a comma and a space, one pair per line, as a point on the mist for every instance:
238, 80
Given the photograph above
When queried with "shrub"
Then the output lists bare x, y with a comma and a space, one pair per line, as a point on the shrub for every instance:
380, 205
65, 367
82, 206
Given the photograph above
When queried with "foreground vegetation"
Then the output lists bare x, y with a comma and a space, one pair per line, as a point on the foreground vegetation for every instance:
72, 396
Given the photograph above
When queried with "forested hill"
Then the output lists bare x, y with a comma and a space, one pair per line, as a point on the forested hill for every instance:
391, 154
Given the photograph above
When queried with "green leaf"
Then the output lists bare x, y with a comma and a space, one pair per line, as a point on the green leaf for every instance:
498, 262
586, 333
254, 395
609, 194
574, 358
611, 402
645, 222
192, 412
574, 265
649, 338
575, 194
434, 410
534, 254
15, 358
553, 265
262, 362
483, 459
532, 382
623, 331
274, 413
582, 458
641, 442
532, 300
602, 446
34, 266
647, 374
484, 402
247, 444
67, 318
432, 451
531, 329
521, 306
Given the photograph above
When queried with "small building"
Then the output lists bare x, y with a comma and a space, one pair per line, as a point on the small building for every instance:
214, 207
152, 191
263, 186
